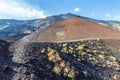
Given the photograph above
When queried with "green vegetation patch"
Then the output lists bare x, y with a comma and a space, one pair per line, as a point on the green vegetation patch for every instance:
112, 58
102, 57
81, 47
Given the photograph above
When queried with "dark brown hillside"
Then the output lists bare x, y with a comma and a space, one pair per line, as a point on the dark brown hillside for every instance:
79, 60
85, 60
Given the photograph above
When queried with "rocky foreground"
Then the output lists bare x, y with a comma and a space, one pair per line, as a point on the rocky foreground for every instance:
79, 60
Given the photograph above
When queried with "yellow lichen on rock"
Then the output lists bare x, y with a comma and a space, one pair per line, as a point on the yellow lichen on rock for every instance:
115, 77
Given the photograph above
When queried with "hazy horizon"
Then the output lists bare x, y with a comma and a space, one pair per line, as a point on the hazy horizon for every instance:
34, 9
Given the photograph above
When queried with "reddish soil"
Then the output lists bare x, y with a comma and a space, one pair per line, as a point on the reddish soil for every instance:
77, 28
113, 43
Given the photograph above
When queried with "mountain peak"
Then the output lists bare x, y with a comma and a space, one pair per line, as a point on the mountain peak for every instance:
67, 15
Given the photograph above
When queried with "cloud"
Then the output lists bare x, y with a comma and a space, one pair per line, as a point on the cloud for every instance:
92, 14
13, 10
77, 10
107, 15
112, 17
117, 17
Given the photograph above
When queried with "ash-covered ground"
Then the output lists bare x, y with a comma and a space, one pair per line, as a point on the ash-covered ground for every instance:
78, 60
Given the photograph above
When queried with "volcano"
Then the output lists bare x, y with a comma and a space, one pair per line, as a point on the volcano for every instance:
67, 50
76, 28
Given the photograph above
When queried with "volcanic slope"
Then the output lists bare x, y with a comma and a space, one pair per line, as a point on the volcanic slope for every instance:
78, 60
76, 28
87, 59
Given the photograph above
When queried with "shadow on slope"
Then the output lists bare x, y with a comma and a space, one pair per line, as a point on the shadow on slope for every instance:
6, 71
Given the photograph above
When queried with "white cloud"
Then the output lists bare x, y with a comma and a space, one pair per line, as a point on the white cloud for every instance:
13, 10
117, 17
111, 17
107, 15
92, 14
77, 10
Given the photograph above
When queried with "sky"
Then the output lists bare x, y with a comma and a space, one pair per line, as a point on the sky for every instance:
34, 9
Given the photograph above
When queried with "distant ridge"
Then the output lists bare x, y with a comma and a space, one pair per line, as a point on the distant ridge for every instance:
11, 29
77, 28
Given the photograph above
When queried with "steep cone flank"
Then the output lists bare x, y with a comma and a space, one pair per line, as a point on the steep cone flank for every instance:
77, 28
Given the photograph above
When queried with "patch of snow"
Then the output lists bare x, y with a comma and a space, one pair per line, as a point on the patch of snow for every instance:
60, 34
103, 24
7, 23
2, 27
27, 31
12, 34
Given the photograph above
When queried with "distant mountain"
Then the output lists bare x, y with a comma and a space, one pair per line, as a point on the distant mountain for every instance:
72, 29
112, 24
16, 29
